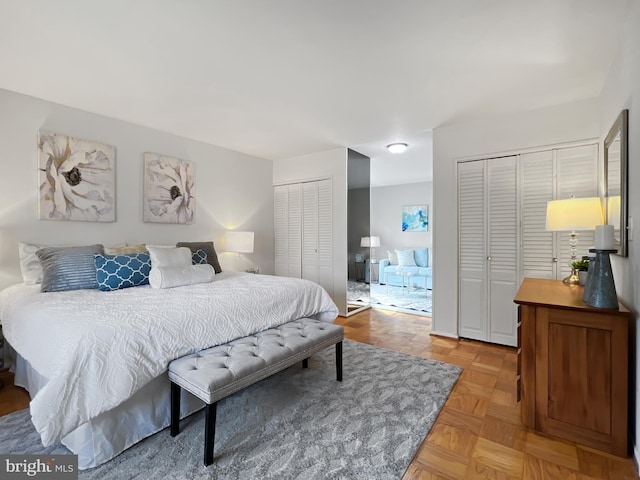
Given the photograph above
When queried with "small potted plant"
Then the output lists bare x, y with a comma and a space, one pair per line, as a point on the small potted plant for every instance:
582, 266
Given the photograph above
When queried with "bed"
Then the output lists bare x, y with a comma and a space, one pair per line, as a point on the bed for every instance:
95, 362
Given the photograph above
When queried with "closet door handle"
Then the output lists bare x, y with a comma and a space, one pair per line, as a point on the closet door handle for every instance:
489, 258
555, 260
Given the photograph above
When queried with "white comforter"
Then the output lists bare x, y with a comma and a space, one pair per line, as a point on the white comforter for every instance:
98, 348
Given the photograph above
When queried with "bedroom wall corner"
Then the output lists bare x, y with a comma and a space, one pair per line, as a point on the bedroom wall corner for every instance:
226, 196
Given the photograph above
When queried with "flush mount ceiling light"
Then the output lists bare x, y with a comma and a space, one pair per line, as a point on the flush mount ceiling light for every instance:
397, 147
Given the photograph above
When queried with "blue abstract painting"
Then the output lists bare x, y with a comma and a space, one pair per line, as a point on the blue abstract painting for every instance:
415, 218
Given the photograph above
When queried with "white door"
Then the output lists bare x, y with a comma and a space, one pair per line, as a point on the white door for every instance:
489, 248
288, 230
502, 261
317, 233
537, 186
472, 302
545, 176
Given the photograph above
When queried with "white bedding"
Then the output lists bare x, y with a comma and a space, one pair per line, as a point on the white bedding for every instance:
97, 349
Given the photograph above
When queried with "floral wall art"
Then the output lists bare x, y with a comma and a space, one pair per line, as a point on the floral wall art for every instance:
76, 179
415, 218
168, 189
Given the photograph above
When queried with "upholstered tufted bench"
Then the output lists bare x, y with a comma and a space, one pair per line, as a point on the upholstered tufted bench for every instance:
218, 372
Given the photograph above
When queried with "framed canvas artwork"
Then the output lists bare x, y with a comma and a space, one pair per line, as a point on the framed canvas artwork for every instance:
168, 189
77, 179
415, 218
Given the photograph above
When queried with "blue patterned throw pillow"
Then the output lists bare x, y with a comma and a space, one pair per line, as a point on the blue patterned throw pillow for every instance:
121, 271
199, 257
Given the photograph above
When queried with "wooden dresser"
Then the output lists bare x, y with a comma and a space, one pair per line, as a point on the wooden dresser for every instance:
573, 364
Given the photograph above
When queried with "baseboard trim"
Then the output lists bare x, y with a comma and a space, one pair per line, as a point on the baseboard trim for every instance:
444, 334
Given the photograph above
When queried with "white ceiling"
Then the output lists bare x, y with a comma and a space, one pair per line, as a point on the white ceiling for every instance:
282, 78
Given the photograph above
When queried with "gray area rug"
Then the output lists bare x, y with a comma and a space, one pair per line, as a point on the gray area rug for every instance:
298, 424
413, 299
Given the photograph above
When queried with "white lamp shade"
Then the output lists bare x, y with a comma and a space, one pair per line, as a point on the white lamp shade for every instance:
574, 214
369, 242
239, 242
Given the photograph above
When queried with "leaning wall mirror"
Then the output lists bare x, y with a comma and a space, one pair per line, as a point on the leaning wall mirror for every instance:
615, 181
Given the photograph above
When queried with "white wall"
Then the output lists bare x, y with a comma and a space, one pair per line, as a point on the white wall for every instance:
328, 164
622, 90
386, 215
227, 196
565, 123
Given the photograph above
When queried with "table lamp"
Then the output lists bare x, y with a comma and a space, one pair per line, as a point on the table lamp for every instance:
571, 215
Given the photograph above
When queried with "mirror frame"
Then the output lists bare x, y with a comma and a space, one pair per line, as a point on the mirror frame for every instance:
621, 127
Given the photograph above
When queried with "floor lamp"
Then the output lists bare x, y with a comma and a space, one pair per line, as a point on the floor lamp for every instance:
571, 215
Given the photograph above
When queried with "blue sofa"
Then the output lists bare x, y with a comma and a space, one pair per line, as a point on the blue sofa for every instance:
421, 275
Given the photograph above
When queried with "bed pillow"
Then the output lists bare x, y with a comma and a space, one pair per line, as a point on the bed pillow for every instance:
169, 277
421, 256
125, 249
406, 258
29, 263
393, 258
199, 257
68, 268
114, 272
212, 256
169, 256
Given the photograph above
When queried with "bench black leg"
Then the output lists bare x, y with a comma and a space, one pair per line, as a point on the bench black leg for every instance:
339, 361
175, 409
209, 432
305, 363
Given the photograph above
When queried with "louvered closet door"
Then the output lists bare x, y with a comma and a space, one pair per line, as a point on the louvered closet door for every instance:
287, 201
577, 175
325, 235
536, 189
502, 233
281, 233
294, 238
472, 250
317, 233
310, 269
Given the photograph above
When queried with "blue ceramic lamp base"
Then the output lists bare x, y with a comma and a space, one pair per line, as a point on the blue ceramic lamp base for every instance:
600, 290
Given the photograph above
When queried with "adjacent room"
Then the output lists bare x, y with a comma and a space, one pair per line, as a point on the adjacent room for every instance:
325, 239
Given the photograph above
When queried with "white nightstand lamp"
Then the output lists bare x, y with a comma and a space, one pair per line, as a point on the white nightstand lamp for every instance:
239, 242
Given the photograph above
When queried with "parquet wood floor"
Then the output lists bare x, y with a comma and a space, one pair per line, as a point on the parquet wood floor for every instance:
478, 434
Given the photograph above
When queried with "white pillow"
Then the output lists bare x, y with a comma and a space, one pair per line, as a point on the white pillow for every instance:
169, 256
393, 258
29, 263
169, 277
406, 258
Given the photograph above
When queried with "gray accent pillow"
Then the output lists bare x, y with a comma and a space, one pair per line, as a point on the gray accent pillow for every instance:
68, 268
212, 257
